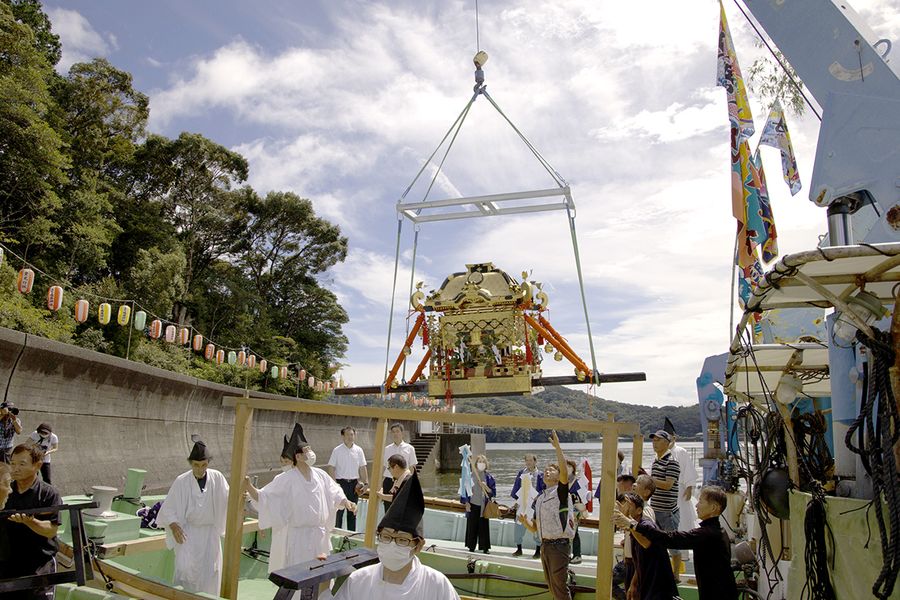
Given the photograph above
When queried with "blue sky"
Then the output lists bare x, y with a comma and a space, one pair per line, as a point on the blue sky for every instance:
342, 101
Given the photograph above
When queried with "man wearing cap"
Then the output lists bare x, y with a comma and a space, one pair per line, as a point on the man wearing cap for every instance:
10, 426
44, 437
399, 574
194, 514
687, 480
303, 501
664, 502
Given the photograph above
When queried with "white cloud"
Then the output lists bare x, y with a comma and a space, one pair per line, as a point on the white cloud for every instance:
80, 41
620, 101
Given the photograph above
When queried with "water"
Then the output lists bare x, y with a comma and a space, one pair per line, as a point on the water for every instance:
506, 460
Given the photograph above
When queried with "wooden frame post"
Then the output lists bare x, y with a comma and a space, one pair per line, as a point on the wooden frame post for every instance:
637, 453
609, 447
240, 450
375, 482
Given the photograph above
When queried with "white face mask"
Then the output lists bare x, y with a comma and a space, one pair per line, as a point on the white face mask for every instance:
481, 466
310, 458
286, 468
392, 556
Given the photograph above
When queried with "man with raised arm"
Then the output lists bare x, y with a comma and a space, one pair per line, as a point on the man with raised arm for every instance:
194, 514
555, 523
399, 574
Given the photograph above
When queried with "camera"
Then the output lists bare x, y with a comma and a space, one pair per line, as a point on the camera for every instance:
10, 407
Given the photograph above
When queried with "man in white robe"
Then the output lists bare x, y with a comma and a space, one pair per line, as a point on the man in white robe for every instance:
400, 575
194, 514
687, 480
302, 502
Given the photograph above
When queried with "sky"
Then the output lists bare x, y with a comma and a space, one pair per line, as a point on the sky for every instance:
342, 102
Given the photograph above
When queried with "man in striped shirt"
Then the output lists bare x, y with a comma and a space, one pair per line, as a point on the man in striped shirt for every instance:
665, 473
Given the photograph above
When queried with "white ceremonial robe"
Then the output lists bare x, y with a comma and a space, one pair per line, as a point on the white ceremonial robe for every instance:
201, 515
687, 513
420, 584
304, 512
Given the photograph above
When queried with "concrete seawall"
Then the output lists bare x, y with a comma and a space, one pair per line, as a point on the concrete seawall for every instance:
111, 414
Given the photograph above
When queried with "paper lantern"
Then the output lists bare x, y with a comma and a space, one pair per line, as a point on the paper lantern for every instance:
283, 372
263, 365
124, 315
25, 280
311, 382
220, 357
302, 375
54, 298
210, 351
1, 257
104, 313
241, 358
140, 320
198, 342
82, 309
251, 361
171, 333
232, 357
156, 329
274, 372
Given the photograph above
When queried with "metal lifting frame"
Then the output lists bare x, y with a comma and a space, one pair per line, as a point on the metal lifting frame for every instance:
425, 211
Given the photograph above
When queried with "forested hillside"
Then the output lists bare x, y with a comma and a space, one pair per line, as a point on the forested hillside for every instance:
563, 403
93, 203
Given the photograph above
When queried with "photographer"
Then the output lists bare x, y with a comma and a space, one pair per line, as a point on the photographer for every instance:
10, 425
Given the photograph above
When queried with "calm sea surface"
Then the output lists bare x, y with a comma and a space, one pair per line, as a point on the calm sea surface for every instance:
506, 460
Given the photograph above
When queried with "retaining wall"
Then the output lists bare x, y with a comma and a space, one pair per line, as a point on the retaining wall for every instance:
111, 414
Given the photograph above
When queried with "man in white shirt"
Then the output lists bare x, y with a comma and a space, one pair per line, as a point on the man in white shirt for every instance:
302, 501
399, 574
347, 466
194, 514
403, 449
48, 441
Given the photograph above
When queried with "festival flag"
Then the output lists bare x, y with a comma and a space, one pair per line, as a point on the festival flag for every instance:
729, 76
466, 480
744, 205
767, 237
776, 135
749, 279
586, 473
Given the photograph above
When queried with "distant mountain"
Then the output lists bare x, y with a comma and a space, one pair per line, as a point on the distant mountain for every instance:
562, 402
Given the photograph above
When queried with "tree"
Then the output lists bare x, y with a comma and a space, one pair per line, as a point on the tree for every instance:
30, 13
32, 164
771, 82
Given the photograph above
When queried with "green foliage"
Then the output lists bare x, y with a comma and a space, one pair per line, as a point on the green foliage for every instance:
110, 212
770, 82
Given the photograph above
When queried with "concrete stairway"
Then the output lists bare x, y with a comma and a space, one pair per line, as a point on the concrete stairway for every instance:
424, 444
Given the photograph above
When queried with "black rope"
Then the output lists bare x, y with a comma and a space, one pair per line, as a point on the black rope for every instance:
878, 427
818, 581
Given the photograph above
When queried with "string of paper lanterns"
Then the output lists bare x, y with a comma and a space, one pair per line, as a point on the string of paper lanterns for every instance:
162, 328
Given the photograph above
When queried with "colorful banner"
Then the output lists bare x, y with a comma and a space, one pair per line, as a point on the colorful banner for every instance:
729, 76
776, 135
768, 236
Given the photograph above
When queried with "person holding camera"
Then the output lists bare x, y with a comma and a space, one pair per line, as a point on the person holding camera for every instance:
48, 441
10, 425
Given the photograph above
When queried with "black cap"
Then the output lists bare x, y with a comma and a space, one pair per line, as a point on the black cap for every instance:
668, 427
199, 451
296, 442
407, 509
44, 427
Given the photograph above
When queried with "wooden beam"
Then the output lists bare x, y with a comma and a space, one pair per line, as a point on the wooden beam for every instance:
147, 587
375, 482
397, 414
240, 450
637, 453
422, 386
609, 448
152, 544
